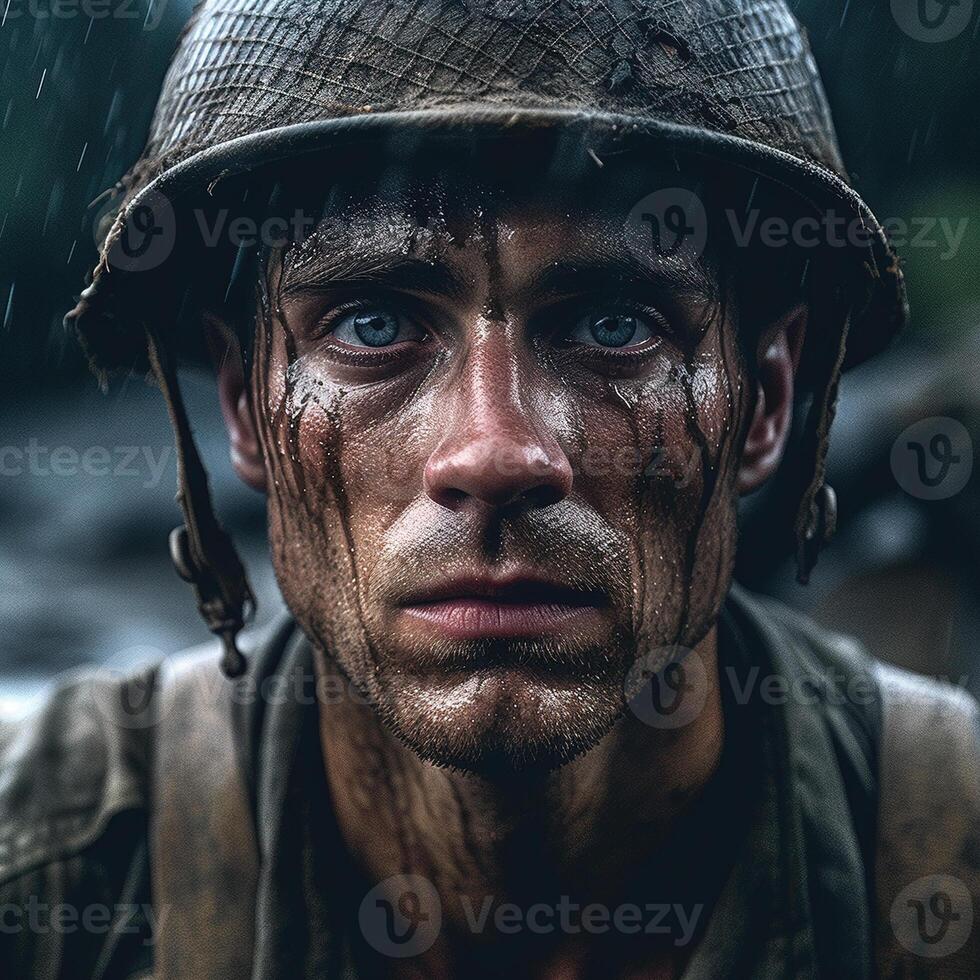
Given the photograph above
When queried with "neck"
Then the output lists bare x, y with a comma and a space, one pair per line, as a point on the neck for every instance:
581, 830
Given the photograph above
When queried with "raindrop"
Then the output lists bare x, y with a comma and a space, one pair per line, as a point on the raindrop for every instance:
54, 203
113, 109
806, 269
755, 187
10, 306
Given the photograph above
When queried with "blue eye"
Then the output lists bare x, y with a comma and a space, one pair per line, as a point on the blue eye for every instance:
374, 328
616, 330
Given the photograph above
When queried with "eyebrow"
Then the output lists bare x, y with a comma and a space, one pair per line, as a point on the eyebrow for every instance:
396, 272
590, 273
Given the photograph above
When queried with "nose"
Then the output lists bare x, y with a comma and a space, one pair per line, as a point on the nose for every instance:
495, 451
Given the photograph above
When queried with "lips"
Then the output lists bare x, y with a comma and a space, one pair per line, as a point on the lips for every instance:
516, 607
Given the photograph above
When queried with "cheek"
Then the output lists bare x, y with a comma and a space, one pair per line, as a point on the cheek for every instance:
309, 524
359, 445
390, 435
659, 466
711, 413
655, 444
343, 461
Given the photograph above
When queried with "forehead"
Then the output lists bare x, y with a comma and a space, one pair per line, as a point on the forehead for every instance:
503, 204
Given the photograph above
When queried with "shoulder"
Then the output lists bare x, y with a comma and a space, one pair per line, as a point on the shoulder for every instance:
908, 748
78, 759
871, 708
84, 756
73, 816
77, 803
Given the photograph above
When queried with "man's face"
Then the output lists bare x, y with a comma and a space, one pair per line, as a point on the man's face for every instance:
500, 455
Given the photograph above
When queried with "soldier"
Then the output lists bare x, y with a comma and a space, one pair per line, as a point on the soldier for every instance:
508, 304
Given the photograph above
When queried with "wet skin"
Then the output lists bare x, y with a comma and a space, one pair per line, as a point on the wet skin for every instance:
454, 409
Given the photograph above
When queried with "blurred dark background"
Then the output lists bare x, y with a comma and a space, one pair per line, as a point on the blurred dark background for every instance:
87, 479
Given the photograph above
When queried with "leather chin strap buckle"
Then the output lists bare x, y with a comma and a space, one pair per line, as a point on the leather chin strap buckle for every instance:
233, 663
180, 553
825, 523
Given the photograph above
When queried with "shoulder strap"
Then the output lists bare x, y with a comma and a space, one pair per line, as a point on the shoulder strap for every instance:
204, 857
928, 859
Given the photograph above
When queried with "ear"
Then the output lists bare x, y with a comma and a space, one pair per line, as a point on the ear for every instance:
236, 404
778, 358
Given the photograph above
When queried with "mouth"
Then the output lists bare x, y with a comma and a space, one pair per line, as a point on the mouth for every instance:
515, 607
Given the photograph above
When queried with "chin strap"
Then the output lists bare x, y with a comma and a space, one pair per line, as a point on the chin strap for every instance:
201, 549
816, 519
